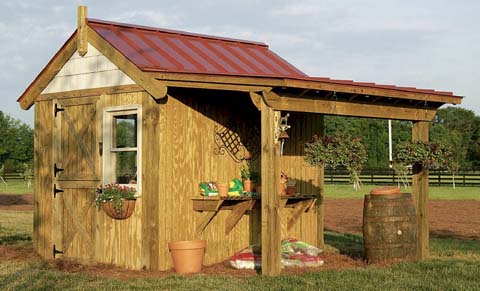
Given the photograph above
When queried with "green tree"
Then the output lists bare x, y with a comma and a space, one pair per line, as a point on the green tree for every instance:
16, 140
459, 129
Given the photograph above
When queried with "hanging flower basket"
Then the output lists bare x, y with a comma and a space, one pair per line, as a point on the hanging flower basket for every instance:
338, 150
126, 210
116, 200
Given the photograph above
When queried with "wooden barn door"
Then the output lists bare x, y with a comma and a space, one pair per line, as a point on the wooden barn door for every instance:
76, 176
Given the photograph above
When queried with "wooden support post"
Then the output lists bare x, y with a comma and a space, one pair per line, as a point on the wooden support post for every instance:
57, 202
82, 42
271, 211
321, 196
420, 193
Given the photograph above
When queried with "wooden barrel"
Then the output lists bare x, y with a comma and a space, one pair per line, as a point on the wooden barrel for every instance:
389, 227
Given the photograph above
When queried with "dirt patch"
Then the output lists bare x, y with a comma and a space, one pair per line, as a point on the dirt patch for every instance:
16, 202
447, 218
17, 253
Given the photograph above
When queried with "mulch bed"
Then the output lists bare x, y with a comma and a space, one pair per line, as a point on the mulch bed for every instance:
333, 261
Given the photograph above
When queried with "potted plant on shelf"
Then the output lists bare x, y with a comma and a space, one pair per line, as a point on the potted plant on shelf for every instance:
116, 200
248, 177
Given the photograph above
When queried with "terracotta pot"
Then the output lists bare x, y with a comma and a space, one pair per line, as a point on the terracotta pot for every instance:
223, 189
283, 189
187, 256
248, 185
128, 206
387, 190
291, 190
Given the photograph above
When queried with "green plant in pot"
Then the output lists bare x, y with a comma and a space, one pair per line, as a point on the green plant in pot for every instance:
246, 175
338, 150
118, 201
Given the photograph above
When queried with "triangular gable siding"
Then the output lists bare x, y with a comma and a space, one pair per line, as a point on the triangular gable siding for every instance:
93, 70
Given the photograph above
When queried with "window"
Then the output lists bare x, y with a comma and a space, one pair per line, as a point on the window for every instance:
122, 136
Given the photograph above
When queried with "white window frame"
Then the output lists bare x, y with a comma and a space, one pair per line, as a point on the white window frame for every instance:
108, 169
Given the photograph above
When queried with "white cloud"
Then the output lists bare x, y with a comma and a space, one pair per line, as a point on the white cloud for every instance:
148, 17
299, 9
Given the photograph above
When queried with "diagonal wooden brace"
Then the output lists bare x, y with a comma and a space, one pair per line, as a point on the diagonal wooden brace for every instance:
236, 214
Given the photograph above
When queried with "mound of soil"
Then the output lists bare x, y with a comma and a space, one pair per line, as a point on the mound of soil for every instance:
17, 253
16, 202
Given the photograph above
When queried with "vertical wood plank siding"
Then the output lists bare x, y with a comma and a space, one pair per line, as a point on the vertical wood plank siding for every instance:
178, 153
42, 220
304, 126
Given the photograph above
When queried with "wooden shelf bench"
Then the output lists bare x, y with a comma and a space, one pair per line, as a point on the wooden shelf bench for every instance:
241, 205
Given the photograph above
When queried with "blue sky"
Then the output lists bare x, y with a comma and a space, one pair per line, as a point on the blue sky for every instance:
426, 44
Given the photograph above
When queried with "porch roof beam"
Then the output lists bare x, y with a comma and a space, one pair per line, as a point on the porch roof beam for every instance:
310, 85
288, 102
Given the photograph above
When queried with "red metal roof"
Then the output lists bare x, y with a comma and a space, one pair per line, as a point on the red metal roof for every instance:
164, 50
154, 49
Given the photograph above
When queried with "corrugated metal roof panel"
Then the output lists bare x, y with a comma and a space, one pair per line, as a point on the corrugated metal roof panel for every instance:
153, 49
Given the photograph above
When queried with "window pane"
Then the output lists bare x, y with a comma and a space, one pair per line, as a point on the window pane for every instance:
125, 167
125, 131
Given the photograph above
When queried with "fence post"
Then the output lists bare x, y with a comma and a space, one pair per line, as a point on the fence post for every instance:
439, 179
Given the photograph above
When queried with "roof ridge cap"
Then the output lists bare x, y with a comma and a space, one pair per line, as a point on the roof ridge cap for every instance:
178, 32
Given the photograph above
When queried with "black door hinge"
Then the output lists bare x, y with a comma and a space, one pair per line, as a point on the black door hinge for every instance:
55, 251
58, 109
56, 191
56, 170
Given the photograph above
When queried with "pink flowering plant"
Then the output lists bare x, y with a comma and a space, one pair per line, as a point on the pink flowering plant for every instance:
114, 193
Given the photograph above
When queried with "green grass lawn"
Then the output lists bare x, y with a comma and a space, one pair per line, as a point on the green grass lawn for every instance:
447, 193
454, 265
16, 227
15, 187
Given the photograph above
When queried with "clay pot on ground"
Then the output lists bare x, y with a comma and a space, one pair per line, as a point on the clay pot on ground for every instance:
128, 206
248, 185
187, 256
223, 189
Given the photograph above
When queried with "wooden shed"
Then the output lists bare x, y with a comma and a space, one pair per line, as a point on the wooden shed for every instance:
195, 105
